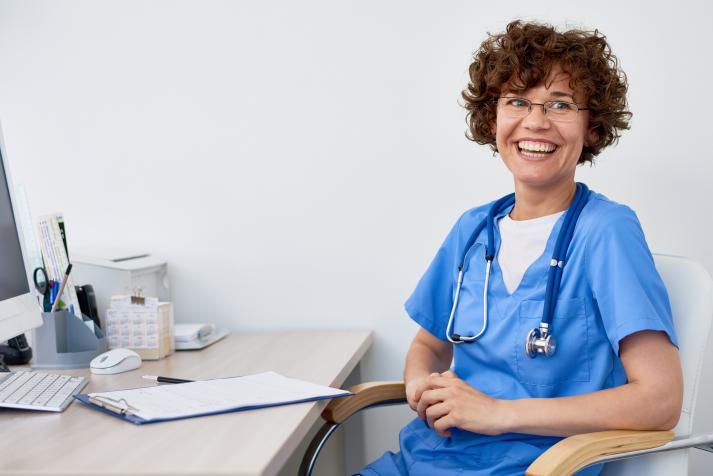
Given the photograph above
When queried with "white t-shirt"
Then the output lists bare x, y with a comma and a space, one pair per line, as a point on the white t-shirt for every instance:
522, 242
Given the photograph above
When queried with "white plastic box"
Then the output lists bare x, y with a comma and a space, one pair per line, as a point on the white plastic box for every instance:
120, 272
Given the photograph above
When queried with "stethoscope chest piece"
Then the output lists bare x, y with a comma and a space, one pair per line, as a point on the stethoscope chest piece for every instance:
539, 341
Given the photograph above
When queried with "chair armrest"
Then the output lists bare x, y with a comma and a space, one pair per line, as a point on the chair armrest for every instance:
365, 395
578, 451
339, 410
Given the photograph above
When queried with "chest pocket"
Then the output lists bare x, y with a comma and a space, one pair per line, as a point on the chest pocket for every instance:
571, 361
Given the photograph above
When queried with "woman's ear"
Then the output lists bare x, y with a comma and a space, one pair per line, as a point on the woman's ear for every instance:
592, 137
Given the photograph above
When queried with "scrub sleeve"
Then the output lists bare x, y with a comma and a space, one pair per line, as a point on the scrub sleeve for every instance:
430, 303
628, 291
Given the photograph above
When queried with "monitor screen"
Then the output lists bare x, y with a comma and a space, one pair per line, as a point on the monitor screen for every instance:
13, 280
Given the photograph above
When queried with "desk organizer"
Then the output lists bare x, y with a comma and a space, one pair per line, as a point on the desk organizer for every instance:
65, 342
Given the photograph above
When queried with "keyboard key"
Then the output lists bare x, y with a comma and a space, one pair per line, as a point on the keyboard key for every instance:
38, 389
61, 396
16, 385
9, 379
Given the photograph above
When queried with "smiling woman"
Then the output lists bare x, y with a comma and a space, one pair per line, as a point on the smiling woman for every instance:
543, 147
525, 56
542, 314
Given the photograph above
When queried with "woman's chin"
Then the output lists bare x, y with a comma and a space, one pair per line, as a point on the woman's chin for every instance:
535, 178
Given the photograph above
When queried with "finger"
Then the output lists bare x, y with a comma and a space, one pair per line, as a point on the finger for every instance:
429, 398
443, 425
444, 382
421, 407
425, 401
426, 384
449, 374
421, 387
436, 411
411, 398
452, 382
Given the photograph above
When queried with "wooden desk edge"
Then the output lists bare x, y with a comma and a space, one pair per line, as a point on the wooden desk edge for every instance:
314, 414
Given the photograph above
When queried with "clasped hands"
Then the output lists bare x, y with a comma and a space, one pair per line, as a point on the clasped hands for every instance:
446, 402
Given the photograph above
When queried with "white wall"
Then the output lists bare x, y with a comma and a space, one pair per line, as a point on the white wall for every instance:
298, 163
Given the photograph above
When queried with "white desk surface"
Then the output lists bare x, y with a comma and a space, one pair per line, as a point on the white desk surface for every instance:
256, 442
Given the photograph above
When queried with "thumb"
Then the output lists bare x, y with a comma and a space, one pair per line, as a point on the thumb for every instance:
449, 374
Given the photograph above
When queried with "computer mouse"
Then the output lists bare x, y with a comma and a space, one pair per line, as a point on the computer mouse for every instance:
115, 361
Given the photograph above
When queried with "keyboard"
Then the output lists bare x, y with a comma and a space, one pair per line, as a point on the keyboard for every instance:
38, 391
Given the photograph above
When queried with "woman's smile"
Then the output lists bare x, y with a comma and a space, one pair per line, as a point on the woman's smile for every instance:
536, 150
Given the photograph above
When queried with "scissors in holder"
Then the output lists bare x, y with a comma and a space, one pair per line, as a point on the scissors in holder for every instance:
44, 286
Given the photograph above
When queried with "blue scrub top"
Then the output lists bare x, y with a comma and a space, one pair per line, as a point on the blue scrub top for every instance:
610, 289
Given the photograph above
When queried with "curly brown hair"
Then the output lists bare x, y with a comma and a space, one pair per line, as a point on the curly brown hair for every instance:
524, 55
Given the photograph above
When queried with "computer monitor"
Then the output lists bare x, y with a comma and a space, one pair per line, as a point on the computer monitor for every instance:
19, 310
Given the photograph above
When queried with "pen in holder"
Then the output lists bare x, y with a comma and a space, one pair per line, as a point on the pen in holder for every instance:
63, 341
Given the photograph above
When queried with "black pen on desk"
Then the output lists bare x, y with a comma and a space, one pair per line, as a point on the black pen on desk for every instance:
61, 288
156, 378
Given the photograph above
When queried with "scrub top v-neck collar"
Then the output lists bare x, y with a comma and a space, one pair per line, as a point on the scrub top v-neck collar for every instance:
535, 276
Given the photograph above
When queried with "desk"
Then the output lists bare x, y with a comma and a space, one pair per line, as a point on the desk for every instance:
258, 442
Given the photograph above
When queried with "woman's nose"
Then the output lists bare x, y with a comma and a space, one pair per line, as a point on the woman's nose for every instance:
536, 118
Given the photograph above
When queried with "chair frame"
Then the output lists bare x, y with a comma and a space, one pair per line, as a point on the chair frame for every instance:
567, 456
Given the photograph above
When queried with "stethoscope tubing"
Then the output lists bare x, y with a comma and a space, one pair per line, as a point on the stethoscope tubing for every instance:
554, 275
500, 205
457, 339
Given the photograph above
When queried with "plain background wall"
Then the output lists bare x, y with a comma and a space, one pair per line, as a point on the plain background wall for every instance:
299, 163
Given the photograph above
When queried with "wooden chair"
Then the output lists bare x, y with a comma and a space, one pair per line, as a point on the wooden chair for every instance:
626, 453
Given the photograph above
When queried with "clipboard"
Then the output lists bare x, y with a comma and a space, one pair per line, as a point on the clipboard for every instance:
206, 397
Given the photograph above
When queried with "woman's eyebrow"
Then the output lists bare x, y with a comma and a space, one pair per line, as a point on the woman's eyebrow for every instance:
561, 94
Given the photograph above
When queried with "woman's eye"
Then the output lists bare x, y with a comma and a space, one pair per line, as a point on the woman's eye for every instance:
517, 102
560, 106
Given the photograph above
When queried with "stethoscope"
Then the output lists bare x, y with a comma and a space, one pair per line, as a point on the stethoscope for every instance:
539, 340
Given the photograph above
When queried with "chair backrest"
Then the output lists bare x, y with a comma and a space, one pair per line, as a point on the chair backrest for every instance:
690, 290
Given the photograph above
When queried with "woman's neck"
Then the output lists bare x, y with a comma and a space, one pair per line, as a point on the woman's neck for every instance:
531, 202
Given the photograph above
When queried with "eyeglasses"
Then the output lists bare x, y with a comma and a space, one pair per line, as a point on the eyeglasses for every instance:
560, 111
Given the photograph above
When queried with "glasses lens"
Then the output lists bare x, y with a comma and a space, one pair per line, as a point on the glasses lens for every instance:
561, 111
515, 107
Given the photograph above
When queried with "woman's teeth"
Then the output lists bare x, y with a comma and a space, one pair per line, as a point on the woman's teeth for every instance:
536, 150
